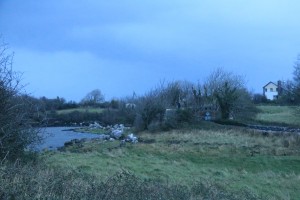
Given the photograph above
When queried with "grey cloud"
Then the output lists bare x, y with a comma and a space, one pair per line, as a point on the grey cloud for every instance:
154, 38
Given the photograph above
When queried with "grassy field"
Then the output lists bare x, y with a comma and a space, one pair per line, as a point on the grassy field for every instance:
239, 160
91, 110
234, 158
281, 115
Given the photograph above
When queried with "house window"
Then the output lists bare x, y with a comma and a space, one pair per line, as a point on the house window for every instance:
266, 90
271, 89
276, 89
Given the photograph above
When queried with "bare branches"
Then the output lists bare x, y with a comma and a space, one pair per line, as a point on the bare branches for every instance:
16, 132
229, 92
93, 98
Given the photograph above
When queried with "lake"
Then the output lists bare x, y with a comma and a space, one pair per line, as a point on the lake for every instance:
56, 137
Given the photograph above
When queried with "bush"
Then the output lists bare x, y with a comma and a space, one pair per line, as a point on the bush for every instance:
75, 117
107, 117
16, 113
138, 123
170, 120
40, 182
184, 116
177, 118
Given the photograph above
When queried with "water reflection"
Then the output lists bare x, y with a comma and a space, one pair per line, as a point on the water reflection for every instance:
55, 137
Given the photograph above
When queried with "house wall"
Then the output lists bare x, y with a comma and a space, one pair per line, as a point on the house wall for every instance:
271, 91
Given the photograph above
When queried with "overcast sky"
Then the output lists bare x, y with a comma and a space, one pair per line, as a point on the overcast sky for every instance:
67, 48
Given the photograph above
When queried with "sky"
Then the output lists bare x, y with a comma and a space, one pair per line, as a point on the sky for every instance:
68, 48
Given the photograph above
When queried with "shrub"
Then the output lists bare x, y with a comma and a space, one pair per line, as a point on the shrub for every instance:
177, 118
16, 112
184, 115
40, 182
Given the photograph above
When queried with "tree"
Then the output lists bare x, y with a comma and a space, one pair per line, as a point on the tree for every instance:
228, 91
152, 107
287, 93
296, 72
16, 112
296, 77
93, 98
259, 98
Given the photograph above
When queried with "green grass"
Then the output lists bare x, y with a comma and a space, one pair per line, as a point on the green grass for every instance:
90, 110
234, 158
281, 115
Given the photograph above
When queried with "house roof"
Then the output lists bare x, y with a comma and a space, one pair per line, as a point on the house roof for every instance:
270, 83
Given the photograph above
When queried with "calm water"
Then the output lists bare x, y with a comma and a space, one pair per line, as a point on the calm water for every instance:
56, 137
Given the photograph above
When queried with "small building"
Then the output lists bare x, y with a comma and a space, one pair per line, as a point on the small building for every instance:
272, 90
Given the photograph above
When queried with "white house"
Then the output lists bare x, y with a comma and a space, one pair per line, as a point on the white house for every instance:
272, 90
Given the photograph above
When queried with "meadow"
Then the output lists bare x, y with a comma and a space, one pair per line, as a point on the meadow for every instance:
81, 110
237, 160
200, 161
279, 115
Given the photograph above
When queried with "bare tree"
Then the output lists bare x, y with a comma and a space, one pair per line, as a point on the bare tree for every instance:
152, 107
93, 98
296, 77
16, 132
296, 72
229, 92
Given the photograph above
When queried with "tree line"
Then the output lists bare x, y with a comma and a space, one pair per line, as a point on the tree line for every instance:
289, 90
222, 95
